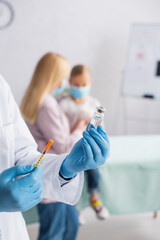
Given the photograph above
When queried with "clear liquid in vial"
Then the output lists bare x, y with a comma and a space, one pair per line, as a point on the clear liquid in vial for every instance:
96, 121
97, 117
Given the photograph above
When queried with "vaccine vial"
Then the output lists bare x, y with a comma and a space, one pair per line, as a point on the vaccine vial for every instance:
97, 117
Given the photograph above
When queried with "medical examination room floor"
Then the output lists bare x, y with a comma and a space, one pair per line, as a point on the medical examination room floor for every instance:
127, 227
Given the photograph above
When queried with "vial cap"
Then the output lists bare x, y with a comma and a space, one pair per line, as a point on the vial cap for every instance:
101, 109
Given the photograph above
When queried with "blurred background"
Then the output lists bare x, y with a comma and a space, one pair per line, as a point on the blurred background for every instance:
99, 34
96, 33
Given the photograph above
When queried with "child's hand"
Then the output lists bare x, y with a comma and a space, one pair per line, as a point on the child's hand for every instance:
88, 120
81, 124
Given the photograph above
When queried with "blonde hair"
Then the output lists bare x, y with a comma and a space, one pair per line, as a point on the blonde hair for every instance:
48, 72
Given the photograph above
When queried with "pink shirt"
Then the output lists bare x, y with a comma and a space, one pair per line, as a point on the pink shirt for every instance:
52, 123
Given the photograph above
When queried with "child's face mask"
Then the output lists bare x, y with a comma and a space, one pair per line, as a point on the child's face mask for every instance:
79, 92
57, 91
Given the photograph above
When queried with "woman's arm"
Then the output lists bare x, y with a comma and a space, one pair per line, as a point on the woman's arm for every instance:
53, 123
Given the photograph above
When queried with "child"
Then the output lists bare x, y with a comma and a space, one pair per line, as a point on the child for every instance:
79, 105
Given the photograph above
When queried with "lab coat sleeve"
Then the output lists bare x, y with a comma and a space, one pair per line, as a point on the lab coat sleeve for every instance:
26, 153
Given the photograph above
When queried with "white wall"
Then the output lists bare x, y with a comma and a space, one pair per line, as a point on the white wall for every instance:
92, 32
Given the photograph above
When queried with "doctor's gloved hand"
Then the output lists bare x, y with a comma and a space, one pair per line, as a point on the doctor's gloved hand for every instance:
23, 193
89, 152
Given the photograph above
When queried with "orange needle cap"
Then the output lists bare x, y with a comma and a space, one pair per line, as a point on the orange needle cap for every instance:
49, 145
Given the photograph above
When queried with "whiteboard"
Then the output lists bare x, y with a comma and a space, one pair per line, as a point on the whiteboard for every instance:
142, 75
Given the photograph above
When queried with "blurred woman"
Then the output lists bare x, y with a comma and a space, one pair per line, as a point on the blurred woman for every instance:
46, 119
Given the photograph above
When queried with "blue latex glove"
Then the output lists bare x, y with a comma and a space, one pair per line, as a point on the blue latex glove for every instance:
88, 153
20, 194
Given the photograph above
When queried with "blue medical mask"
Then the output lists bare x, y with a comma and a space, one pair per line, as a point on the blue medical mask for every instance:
57, 91
79, 92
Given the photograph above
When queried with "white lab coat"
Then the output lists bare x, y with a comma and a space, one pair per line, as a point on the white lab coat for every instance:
17, 146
